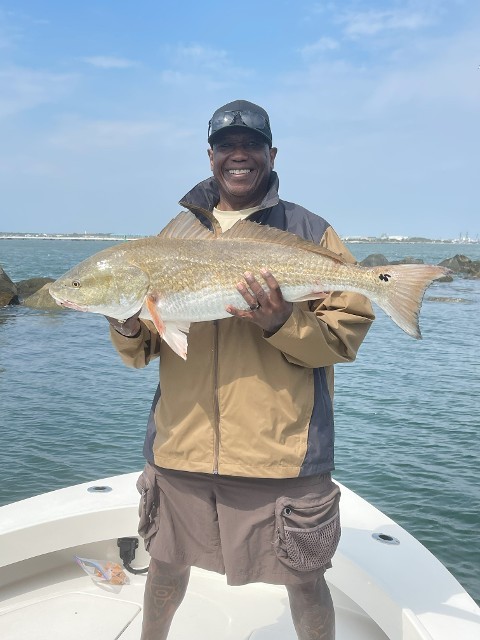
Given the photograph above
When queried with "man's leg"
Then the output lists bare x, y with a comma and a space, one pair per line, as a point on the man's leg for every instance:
164, 591
312, 610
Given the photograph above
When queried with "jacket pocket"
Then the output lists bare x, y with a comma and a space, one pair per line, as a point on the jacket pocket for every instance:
148, 507
307, 530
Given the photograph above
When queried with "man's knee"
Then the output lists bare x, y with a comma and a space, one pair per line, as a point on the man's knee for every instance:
313, 592
158, 567
312, 610
167, 583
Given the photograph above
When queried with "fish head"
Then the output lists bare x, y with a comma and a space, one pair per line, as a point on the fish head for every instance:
105, 284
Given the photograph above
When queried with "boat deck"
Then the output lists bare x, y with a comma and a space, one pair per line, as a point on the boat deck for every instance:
66, 604
385, 585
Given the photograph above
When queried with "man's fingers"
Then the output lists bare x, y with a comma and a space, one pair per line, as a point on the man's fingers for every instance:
268, 308
255, 287
239, 313
249, 298
271, 282
255, 294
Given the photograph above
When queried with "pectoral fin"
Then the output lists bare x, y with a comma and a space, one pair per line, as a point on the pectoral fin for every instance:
174, 333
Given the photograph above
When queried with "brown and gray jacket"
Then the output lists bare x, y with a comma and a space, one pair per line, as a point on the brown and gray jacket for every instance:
244, 404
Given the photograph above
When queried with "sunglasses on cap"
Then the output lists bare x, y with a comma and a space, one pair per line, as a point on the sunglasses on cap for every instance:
249, 119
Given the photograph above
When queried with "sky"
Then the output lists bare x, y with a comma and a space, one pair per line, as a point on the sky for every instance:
374, 107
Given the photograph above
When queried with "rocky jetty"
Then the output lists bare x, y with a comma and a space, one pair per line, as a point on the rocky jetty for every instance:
26, 288
42, 299
8, 290
29, 293
34, 293
375, 260
408, 260
462, 265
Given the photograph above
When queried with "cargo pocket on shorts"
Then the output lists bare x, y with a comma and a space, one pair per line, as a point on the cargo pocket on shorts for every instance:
148, 508
307, 530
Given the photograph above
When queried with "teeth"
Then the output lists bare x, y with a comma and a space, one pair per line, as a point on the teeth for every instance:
238, 172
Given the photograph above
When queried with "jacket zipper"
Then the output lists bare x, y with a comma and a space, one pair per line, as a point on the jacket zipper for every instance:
216, 409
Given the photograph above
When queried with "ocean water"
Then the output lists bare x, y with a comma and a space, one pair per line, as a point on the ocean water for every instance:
407, 425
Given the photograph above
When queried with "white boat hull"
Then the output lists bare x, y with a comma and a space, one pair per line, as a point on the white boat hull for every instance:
381, 591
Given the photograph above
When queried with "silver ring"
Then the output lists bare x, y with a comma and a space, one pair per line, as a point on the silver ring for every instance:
254, 307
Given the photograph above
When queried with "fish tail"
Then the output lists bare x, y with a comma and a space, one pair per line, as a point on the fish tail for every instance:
402, 290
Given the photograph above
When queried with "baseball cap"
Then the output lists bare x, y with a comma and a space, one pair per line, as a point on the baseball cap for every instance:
240, 114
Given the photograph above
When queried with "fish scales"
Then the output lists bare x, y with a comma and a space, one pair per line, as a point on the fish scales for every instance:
187, 275
199, 279
191, 265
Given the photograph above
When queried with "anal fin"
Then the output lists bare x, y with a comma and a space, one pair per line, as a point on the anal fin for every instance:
174, 333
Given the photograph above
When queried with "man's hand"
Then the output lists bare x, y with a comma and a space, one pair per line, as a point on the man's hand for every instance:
268, 309
128, 328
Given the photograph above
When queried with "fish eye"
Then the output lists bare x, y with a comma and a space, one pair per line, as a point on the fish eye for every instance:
76, 284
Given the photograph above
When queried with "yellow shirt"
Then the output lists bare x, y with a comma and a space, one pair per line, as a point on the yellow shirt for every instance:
226, 219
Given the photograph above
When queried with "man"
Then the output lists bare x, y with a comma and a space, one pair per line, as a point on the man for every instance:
240, 438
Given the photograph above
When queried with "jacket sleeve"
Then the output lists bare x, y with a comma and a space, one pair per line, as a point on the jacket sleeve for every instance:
326, 331
137, 352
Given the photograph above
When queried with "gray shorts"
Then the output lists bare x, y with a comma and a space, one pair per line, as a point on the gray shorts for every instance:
251, 529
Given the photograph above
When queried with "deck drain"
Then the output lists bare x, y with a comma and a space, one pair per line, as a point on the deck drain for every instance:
99, 489
385, 538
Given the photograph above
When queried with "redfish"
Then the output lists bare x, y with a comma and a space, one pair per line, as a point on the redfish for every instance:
187, 274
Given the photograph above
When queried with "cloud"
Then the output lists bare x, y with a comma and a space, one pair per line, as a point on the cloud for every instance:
23, 89
442, 74
203, 81
320, 46
372, 23
8, 34
200, 56
15, 26
109, 62
386, 135
80, 136
5, 39
24, 165
429, 78
431, 69
203, 67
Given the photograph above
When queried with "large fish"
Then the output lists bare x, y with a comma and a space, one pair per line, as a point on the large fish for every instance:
186, 274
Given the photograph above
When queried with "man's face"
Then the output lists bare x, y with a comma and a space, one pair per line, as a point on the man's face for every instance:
241, 163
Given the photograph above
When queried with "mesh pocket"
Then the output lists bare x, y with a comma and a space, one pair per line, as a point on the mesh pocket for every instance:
148, 508
310, 549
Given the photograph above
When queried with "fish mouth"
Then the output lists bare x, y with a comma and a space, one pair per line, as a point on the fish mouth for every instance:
70, 305
67, 303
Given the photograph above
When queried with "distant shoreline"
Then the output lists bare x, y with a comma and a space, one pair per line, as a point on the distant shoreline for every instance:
44, 236
409, 241
122, 238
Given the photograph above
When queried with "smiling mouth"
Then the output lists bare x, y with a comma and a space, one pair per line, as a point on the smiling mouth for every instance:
239, 172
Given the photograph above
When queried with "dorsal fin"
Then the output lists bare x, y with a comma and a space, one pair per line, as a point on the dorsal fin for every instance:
248, 230
187, 227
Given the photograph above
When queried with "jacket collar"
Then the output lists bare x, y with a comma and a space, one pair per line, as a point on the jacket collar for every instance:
205, 195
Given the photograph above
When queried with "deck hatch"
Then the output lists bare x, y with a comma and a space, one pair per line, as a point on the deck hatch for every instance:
75, 616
